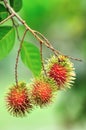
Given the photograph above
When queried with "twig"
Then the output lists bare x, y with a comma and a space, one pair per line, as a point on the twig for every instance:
42, 36
47, 43
13, 21
42, 59
16, 27
51, 47
10, 16
36, 33
17, 58
72, 58
28, 28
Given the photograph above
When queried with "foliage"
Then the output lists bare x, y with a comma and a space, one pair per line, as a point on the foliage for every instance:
30, 55
7, 40
65, 21
3, 12
16, 4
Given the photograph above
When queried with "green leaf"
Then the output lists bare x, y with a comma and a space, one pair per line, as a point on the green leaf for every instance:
3, 12
16, 4
30, 56
7, 37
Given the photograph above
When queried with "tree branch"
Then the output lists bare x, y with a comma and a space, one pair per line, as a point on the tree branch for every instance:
36, 34
10, 16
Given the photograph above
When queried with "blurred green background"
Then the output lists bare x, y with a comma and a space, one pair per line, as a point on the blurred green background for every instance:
63, 22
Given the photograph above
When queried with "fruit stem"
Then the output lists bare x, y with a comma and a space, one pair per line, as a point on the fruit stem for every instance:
42, 62
17, 58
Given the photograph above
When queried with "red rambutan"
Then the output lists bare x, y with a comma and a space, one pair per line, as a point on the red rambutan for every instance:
42, 92
61, 70
18, 101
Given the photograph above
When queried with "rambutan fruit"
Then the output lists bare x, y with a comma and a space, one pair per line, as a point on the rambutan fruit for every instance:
42, 92
61, 70
18, 101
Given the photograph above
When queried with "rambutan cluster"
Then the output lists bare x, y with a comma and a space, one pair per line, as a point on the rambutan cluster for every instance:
59, 75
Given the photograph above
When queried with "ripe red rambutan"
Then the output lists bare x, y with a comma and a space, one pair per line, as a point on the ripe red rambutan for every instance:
42, 92
61, 70
18, 101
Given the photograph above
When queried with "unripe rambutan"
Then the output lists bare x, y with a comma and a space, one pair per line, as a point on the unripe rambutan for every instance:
18, 101
61, 70
42, 92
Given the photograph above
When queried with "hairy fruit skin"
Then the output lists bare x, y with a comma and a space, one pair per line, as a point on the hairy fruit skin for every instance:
18, 101
58, 73
61, 70
41, 93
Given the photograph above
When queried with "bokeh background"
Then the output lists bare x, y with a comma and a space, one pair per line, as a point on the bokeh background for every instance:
63, 22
